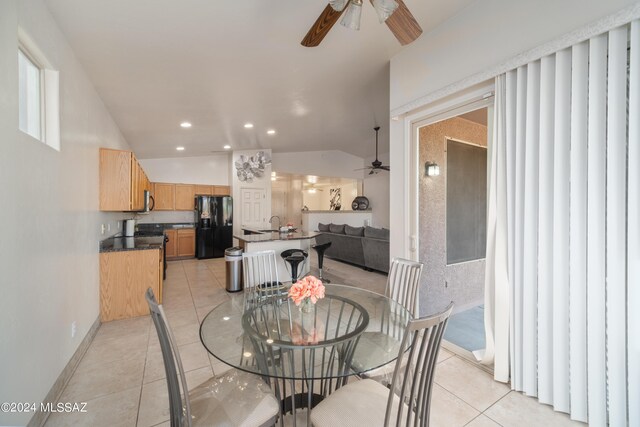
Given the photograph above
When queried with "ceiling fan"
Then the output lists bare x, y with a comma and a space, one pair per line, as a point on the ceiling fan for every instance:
392, 12
376, 165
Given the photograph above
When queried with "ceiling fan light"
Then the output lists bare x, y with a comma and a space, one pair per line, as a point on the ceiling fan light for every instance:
352, 15
385, 8
338, 5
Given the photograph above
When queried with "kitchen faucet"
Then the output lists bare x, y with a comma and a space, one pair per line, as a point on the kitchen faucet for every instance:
271, 221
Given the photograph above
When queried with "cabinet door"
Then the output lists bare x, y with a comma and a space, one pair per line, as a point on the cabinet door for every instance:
164, 195
172, 244
204, 190
221, 190
137, 185
124, 278
185, 194
187, 242
115, 180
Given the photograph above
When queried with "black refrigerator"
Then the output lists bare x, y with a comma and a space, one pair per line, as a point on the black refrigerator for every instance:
214, 230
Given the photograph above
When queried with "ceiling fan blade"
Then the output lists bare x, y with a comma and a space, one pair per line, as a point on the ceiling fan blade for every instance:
403, 25
321, 27
362, 169
386, 168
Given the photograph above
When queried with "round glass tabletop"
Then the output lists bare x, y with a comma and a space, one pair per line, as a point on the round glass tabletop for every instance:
335, 323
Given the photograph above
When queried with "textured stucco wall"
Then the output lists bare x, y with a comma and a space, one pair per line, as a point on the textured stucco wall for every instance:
461, 283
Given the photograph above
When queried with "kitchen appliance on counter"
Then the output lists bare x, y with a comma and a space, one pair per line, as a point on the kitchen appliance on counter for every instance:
129, 227
214, 225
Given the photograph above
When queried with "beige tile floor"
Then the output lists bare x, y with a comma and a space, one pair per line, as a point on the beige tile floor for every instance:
121, 377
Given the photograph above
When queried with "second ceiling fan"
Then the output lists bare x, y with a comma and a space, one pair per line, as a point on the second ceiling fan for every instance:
392, 12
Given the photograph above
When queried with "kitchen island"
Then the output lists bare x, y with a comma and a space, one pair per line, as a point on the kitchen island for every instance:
257, 240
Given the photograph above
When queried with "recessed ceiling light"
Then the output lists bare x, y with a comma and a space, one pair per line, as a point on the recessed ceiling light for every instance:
271, 132
180, 148
248, 125
227, 147
185, 124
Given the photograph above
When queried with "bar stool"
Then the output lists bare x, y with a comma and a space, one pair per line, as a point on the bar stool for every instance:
294, 257
321, 248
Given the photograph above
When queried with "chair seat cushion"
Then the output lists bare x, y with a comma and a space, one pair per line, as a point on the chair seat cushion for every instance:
358, 404
234, 398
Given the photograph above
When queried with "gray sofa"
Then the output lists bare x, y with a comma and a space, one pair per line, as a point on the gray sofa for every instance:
364, 246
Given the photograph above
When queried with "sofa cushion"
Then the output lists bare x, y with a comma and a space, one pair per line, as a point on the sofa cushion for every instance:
336, 228
323, 227
353, 231
376, 233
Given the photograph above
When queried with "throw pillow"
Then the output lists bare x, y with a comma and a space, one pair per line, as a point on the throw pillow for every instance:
323, 227
376, 233
336, 228
353, 231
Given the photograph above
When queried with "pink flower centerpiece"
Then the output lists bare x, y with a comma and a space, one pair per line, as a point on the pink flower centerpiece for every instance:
308, 289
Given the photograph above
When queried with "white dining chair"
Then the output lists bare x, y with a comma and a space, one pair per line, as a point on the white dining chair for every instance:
260, 274
408, 399
234, 398
402, 287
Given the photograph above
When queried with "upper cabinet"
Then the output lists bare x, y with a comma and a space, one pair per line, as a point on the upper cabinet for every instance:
122, 181
164, 196
204, 190
185, 194
221, 190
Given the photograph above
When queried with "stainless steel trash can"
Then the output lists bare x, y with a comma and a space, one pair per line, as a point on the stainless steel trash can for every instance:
233, 264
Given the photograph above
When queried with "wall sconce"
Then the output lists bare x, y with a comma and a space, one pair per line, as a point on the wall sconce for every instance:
431, 169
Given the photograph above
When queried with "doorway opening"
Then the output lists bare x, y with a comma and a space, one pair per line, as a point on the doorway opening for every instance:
452, 207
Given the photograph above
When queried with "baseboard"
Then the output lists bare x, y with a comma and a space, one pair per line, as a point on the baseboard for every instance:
39, 418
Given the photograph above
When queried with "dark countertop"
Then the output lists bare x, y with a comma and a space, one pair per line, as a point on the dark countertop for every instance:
160, 227
116, 244
274, 236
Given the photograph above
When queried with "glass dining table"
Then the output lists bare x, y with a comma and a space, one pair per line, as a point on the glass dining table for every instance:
305, 354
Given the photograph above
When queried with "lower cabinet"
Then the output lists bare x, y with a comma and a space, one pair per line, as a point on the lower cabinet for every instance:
187, 242
172, 244
125, 276
181, 244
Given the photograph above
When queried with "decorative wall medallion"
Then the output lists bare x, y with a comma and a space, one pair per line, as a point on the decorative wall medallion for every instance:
248, 168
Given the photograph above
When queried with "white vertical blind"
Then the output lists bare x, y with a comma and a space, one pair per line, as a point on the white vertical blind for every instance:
578, 232
596, 197
545, 230
560, 232
633, 218
510, 135
530, 233
633, 212
572, 216
520, 117
616, 226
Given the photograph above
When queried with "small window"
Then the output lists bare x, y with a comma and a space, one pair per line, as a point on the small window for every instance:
38, 94
30, 96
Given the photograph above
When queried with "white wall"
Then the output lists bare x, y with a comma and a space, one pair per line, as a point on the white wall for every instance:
50, 223
331, 163
206, 170
258, 183
483, 35
474, 43
376, 189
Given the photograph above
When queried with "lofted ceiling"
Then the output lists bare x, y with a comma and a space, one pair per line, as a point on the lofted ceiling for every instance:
220, 64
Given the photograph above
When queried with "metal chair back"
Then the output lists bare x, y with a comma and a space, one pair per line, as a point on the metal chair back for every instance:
403, 283
413, 376
260, 271
179, 409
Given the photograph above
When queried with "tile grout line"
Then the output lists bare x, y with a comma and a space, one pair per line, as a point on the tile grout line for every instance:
144, 370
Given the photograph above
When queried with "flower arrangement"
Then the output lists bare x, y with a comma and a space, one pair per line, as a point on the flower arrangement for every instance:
308, 288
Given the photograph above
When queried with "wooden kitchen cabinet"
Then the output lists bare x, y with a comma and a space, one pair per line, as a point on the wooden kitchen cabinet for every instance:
186, 242
204, 190
221, 190
185, 194
172, 244
122, 181
164, 196
125, 276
